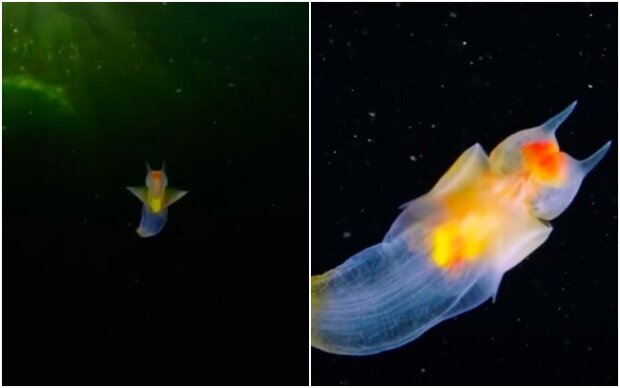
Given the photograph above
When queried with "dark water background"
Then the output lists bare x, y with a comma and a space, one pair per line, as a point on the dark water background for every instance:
92, 91
398, 92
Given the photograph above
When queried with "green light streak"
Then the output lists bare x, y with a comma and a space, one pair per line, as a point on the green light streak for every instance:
52, 93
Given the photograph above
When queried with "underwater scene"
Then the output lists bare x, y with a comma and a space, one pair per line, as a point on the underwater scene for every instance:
116, 269
464, 194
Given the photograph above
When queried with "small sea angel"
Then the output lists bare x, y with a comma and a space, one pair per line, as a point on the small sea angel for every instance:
156, 197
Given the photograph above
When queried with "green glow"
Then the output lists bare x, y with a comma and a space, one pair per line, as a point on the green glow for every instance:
53, 93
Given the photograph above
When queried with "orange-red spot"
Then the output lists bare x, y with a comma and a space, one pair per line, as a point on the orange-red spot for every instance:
544, 160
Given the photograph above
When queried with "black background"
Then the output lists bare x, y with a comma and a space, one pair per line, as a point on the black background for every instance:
220, 296
437, 79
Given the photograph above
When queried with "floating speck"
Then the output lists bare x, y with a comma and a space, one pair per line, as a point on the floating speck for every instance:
433, 126
471, 63
29, 113
412, 158
170, 60
422, 370
204, 40
452, 15
397, 5
590, 14
369, 140
590, 86
15, 30
231, 85
178, 90
346, 234
464, 43
442, 86
372, 114
214, 122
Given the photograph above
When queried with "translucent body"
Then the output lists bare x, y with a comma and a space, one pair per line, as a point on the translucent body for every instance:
448, 250
151, 223
157, 197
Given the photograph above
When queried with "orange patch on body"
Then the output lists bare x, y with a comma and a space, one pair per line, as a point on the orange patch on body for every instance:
545, 161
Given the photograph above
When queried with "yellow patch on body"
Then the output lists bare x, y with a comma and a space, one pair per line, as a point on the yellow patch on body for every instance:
156, 204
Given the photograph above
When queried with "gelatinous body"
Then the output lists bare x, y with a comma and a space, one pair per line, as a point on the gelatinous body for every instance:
447, 251
156, 198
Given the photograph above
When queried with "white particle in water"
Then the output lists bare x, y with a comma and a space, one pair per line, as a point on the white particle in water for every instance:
346, 234
369, 140
590, 86
15, 30
372, 114
413, 158
433, 126
464, 43
452, 15
231, 85
179, 90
